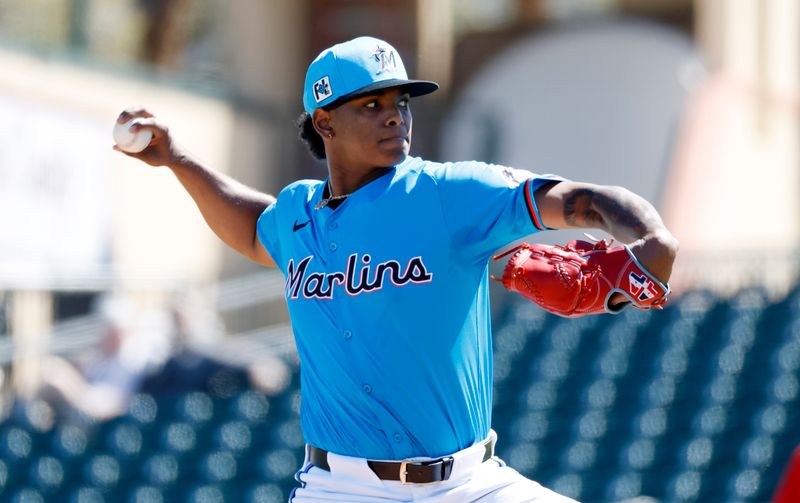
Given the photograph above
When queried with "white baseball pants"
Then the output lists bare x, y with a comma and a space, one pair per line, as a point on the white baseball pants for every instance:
471, 480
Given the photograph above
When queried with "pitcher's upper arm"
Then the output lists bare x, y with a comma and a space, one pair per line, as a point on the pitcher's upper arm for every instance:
551, 199
259, 253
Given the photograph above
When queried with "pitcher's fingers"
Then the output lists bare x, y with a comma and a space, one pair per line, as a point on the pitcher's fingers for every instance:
131, 113
116, 148
155, 126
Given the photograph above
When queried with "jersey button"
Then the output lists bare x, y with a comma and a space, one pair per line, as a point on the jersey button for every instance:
367, 388
333, 226
398, 437
347, 334
333, 246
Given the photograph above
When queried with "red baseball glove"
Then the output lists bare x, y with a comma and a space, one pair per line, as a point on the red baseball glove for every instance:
580, 278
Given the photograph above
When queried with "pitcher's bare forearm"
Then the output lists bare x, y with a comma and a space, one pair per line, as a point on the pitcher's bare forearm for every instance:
230, 208
616, 210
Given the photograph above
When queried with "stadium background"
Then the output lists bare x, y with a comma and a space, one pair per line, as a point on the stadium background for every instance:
141, 361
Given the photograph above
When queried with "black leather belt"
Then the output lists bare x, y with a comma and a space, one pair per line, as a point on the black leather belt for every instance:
417, 472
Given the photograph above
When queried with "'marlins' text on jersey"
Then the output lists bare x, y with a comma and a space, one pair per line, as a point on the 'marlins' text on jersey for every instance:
359, 277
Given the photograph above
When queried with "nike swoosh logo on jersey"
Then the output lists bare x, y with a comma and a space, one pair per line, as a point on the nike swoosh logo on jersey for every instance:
297, 226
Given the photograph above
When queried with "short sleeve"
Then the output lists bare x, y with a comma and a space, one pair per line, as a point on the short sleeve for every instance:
267, 230
488, 206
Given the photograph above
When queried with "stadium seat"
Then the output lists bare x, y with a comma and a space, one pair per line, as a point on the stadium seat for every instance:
178, 438
86, 494
250, 406
279, 465
124, 440
288, 434
266, 493
145, 494
143, 408
26, 495
161, 470
47, 474
233, 436
524, 457
102, 471
624, 485
69, 442
218, 467
699, 402
685, 486
195, 407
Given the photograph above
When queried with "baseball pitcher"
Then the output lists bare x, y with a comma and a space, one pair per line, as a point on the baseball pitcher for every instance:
387, 282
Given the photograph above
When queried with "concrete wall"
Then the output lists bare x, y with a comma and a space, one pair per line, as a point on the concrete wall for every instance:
735, 184
152, 226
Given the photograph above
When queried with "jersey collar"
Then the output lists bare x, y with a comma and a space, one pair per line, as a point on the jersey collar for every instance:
321, 190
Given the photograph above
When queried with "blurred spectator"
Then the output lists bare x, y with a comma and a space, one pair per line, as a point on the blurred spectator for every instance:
193, 364
100, 384
789, 488
270, 375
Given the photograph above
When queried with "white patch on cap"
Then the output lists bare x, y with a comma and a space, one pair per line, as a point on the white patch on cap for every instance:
386, 58
322, 89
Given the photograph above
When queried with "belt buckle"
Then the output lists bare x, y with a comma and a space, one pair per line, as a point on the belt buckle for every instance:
403, 471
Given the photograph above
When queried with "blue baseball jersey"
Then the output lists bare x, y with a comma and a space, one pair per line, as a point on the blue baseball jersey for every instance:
388, 295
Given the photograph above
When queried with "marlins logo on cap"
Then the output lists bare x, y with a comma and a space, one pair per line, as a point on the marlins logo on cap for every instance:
356, 67
386, 58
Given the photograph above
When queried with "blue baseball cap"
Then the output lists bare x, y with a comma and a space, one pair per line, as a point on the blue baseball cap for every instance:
356, 67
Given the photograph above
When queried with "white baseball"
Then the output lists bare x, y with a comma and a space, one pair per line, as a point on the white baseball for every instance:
131, 142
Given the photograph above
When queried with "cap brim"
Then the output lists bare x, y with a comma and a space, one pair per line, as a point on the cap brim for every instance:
414, 87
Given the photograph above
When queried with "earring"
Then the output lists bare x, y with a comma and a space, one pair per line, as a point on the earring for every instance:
330, 135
